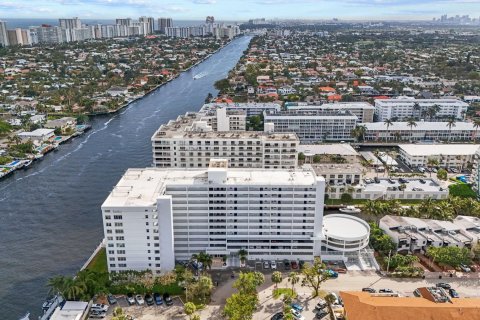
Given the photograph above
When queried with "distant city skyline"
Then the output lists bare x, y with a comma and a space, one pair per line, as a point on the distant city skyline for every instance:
240, 10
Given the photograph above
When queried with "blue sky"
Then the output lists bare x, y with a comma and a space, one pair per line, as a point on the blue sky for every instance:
238, 9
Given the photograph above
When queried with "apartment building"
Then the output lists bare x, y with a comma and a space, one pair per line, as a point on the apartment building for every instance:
315, 125
475, 179
401, 109
363, 110
421, 131
416, 235
249, 108
458, 156
190, 142
155, 216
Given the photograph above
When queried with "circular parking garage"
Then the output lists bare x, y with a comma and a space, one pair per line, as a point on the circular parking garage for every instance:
345, 233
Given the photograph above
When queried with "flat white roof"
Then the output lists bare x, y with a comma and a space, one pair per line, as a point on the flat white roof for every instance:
37, 133
337, 148
338, 105
392, 102
424, 126
439, 149
142, 187
345, 227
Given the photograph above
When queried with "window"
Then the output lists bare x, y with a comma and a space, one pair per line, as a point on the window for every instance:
120, 238
118, 224
122, 265
111, 252
109, 231
117, 217
120, 251
108, 217
118, 230
108, 224
111, 258
112, 265
121, 245
122, 259
110, 238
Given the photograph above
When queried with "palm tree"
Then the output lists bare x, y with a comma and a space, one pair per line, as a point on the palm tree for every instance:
433, 110
330, 299
293, 278
243, 254
411, 123
56, 284
416, 108
432, 162
476, 125
72, 290
359, 132
450, 123
388, 123
277, 278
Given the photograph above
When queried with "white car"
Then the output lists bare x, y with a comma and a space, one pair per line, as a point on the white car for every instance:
266, 265
297, 315
99, 307
273, 265
139, 300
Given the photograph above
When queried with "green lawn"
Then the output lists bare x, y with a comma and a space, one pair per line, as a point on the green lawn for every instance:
462, 190
99, 262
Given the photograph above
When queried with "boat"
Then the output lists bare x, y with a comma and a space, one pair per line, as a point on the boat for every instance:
350, 209
199, 75
26, 316
26, 164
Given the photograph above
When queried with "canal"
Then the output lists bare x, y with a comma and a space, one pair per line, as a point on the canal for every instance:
50, 218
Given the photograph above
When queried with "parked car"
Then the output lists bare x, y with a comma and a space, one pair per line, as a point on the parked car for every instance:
130, 299
422, 181
158, 298
421, 169
321, 304
465, 268
97, 314
297, 315
385, 291
402, 180
139, 300
453, 293
371, 290
297, 307
434, 170
168, 300
266, 265
376, 180
111, 299
149, 299
391, 181
321, 314
300, 264
273, 265
99, 307
286, 264
277, 316
443, 285
294, 265
416, 293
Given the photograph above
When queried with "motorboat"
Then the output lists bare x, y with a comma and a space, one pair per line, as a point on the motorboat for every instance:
199, 75
26, 316
350, 209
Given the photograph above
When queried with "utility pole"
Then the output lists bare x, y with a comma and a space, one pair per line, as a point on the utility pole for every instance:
389, 256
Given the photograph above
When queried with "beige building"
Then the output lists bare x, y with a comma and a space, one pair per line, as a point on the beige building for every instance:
190, 142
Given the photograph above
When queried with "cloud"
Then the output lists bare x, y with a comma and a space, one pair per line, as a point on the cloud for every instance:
204, 1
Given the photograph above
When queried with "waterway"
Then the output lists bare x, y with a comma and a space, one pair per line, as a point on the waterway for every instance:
50, 219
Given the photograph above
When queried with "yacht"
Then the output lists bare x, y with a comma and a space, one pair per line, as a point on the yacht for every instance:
350, 209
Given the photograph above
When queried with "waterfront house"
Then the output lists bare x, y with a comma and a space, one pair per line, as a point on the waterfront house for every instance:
64, 124
37, 136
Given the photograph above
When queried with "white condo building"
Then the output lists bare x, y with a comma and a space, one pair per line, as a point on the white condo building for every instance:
363, 110
154, 216
401, 109
458, 156
192, 140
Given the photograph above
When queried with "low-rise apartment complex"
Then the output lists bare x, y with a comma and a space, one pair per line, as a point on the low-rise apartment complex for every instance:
315, 125
416, 235
156, 216
363, 110
402, 109
458, 156
421, 131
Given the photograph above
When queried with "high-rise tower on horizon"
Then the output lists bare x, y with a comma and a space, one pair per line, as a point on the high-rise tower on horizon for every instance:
3, 34
164, 23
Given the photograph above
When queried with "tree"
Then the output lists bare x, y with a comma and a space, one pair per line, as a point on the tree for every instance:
243, 254
277, 278
202, 288
189, 308
255, 123
359, 132
399, 260
442, 174
330, 299
449, 256
222, 85
450, 123
388, 123
314, 275
293, 278
411, 123
166, 279
248, 282
476, 125
5, 127
240, 306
